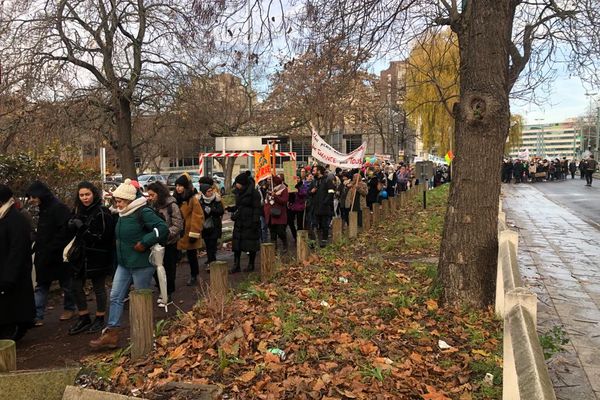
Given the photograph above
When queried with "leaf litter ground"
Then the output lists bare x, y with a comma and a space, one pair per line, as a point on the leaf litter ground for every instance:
359, 320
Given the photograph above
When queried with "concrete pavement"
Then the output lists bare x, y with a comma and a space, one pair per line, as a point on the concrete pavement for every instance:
559, 257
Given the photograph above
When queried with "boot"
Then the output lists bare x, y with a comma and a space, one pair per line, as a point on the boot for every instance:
83, 324
236, 263
251, 258
108, 340
97, 325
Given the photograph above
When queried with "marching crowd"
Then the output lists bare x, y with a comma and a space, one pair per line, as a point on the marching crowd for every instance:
96, 243
542, 170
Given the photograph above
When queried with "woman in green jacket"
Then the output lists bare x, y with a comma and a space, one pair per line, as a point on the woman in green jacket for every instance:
138, 229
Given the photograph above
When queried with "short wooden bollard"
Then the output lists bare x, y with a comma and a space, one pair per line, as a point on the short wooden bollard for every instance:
267, 260
402, 197
366, 219
302, 249
385, 208
8, 356
376, 214
219, 285
353, 225
142, 322
336, 229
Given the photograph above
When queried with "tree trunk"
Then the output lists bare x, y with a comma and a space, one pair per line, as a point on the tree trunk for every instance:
228, 173
468, 256
125, 147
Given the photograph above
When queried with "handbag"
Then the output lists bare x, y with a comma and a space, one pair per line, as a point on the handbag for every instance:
275, 211
208, 224
73, 252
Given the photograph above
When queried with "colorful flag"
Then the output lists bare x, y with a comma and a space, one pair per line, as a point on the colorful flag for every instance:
262, 164
449, 157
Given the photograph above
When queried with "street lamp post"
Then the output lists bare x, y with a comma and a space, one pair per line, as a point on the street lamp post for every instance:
590, 96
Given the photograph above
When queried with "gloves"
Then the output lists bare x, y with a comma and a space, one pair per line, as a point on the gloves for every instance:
139, 247
193, 240
75, 224
207, 209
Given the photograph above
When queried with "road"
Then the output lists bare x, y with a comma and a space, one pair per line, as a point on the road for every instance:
574, 195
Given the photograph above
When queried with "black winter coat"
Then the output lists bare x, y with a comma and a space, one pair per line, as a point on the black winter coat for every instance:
50, 240
323, 199
16, 289
96, 237
216, 213
246, 228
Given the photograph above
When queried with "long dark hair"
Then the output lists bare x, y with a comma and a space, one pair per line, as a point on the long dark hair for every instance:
162, 192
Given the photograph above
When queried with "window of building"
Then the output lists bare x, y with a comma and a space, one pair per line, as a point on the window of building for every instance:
353, 142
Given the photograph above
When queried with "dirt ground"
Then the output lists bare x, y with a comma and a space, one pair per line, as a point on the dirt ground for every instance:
51, 346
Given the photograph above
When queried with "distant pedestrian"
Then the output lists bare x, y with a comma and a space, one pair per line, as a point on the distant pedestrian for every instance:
582, 169
194, 220
17, 305
50, 240
212, 206
246, 221
572, 168
275, 211
322, 195
161, 200
590, 167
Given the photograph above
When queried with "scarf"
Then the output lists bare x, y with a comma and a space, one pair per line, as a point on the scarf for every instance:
133, 206
279, 189
209, 199
5, 207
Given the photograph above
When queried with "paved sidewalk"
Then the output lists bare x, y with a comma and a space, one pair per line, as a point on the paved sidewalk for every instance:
559, 258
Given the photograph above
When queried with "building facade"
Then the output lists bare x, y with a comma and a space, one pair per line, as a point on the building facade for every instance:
551, 140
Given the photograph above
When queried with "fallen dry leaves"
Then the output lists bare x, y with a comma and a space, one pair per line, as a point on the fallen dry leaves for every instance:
376, 337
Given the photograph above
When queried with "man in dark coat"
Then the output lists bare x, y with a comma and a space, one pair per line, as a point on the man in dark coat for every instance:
323, 193
246, 216
50, 240
17, 307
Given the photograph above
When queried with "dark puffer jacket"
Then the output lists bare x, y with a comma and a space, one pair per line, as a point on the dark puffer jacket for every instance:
216, 213
246, 228
51, 236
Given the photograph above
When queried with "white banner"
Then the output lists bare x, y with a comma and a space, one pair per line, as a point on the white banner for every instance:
323, 152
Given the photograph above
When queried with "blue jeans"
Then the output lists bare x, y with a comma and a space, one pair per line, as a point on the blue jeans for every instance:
41, 297
141, 278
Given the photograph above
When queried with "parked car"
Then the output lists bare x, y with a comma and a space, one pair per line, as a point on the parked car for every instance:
221, 182
145, 180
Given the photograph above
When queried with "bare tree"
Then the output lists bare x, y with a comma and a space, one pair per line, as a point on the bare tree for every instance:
119, 53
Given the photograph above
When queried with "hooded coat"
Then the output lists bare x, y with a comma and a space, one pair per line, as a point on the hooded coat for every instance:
248, 210
51, 236
17, 305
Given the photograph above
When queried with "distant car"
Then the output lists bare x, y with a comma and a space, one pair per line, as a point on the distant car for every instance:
221, 182
172, 178
145, 180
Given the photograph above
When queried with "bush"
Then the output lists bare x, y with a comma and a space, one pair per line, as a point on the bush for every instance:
60, 168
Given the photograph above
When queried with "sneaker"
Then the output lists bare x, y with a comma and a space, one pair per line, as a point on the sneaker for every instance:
193, 281
38, 322
97, 325
83, 323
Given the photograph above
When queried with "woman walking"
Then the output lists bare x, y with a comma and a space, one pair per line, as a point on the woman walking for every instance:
161, 200
212, 206
193, 220
92, 225
138, 229
246, 217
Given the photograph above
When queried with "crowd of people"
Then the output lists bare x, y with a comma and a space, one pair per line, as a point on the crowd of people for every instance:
542, 170
97, 241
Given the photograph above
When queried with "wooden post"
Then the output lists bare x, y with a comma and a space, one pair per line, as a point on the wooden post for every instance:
366, 219
302, 249
141, 319
376, 214
336, 230
8, 356
402, 199
267, 260
219, 285
385, 208
353, 225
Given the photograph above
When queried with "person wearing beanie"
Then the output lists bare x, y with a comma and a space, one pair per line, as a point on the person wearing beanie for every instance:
50, 239
17, 305
137, 230
193, 217
93, 229
246, 216
275, 209
212, 206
